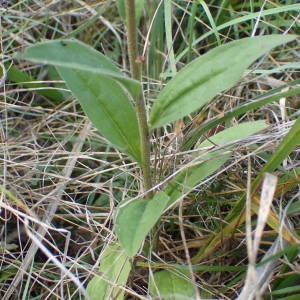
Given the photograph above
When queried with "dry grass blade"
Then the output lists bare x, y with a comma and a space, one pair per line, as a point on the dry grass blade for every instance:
50, 212
256, 279
266, 198
259, 278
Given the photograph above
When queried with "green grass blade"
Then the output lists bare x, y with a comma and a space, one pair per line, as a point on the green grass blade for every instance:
293, 297
287, 290
185, 268
157, 42
211, 20
191, 30
169, 39
247, 17
288, 144
139, 7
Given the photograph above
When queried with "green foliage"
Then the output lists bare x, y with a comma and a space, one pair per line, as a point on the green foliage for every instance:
191, 176
7, 272
113, 274
234, 22
205, 77
136, 218
109, 99
171, 286
287, 290
294, 208
287, 285
98, 85
108, 107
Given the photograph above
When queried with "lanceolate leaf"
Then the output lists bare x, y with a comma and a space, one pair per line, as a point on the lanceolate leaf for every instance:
114, 270
99, 86
208, 161
108, 107
77, 55
205, 77
136, 218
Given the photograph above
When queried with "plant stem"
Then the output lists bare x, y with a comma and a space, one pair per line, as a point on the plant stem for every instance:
132, 39
140, 102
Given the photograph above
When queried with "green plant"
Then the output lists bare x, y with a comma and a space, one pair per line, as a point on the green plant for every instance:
115, 105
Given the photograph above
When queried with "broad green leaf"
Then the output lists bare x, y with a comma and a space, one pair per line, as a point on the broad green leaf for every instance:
171, 286
113, 274
108, 107
205, 77
139, 6
209, 162
97, 84
79, 56
136, 218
